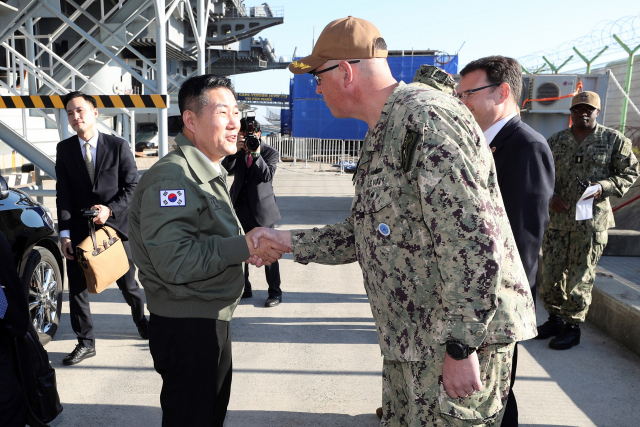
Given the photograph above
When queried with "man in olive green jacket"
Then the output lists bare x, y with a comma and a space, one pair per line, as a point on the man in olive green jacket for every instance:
189, 248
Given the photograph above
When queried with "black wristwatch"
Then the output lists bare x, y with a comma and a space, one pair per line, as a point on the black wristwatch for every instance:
458, 351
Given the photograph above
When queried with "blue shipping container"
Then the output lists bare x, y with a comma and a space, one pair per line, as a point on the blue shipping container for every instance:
311, 117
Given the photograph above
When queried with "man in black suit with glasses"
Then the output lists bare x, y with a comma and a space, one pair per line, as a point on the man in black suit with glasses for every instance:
490, 87
97, 171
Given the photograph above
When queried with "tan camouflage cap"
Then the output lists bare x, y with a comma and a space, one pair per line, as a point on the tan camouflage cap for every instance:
589, 98
435, 77
346, 38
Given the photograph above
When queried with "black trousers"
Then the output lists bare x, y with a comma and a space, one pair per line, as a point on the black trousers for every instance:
272, 272
510, 418
193, 356
13, 407
79, 309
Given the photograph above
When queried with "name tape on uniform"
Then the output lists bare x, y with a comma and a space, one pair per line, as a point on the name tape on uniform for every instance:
173, 198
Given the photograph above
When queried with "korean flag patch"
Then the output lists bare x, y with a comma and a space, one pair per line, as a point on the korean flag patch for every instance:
173, 198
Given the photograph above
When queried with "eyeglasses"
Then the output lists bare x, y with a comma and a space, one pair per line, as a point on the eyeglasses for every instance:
315, 73
467, 93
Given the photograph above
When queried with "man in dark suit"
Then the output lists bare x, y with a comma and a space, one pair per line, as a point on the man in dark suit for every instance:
14, 321
96, 171
490, 87
253, 199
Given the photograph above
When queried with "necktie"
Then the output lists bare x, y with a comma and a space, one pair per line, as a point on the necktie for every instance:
88, 160
3, 303
249, 160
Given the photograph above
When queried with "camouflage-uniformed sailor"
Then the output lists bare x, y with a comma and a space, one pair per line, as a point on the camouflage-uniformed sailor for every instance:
571, 249
435, 77
444, 279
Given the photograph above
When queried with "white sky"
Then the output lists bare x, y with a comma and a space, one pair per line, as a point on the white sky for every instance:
499, 27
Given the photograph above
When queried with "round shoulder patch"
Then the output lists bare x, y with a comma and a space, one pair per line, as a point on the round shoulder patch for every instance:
384, 229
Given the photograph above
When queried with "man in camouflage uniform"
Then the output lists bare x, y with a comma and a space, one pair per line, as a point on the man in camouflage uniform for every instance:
435, 77
444, 279
571, 249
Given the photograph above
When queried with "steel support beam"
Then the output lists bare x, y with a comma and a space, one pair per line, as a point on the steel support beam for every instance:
132, 137
17, 23
203, 19
57, 33
106, 51
171, 8
161, 76
28, 150
31, 56
78, 55
60, 60
116, 37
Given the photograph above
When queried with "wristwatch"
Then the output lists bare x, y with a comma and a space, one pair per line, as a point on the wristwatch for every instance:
458, 351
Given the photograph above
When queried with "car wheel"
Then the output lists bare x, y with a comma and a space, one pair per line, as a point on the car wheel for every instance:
45, 285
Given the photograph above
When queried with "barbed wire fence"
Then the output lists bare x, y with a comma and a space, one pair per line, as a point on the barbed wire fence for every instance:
598, 47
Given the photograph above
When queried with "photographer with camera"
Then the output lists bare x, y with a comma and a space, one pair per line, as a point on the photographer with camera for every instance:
253, 167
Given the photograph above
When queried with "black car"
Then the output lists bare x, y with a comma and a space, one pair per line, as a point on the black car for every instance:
30, 230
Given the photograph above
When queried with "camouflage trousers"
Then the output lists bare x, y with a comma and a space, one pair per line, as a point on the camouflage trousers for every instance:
413, 394
569, 260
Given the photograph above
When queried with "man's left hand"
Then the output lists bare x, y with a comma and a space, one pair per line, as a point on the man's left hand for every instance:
461, 378
103, 214
598, 194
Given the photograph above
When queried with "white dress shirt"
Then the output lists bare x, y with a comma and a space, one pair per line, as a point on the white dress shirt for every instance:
491, 133
93, 147
216, 166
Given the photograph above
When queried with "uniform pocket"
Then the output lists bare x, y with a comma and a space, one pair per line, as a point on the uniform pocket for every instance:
483, 406
374, 201
602, 237
599, 158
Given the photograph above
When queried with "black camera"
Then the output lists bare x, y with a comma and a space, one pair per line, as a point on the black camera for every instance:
250, 140
90, 213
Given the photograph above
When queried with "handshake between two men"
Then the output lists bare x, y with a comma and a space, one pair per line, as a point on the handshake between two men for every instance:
267, 245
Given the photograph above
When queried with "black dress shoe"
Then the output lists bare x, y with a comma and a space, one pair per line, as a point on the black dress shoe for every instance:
143, 328
550, 328
78, 355
273, 301
247, 293
566, 339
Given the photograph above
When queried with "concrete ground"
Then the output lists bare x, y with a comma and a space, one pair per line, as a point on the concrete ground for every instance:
314, 360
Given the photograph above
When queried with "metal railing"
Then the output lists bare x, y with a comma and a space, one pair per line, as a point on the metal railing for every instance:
330, 152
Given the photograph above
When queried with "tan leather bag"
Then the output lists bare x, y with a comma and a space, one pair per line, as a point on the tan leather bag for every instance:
102, 258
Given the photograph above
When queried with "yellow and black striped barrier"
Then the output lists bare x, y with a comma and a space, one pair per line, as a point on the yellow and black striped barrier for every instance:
103, 101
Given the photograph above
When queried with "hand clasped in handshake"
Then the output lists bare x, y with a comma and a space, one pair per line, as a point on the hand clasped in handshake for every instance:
267, 245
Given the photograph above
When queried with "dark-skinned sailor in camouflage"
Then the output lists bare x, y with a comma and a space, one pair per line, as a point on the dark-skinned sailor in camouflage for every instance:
571, 249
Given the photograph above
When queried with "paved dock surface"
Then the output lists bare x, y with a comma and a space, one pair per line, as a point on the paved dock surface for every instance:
314, 360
